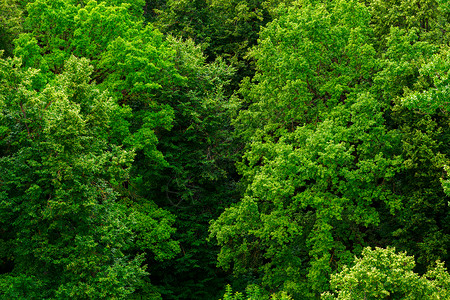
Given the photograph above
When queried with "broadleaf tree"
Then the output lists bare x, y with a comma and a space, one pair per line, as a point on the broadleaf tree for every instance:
69, 232
320, 158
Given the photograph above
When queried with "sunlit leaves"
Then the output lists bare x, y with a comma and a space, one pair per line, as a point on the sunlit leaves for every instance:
319, 154
384, 274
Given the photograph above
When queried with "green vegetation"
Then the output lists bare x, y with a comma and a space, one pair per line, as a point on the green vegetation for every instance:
384, 274
215, 149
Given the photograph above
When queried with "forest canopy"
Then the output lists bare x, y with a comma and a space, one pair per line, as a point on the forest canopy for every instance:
231, 150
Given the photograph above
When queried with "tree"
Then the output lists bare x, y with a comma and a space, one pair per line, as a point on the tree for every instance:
171, 112
421, 228
68, 230
384, 274
10, 24
226, 29
253, 293
320, 158
199, 180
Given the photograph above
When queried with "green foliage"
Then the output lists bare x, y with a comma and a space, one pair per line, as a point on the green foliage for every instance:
313, 187
340, 153
10, 24
135, 7
113, 134
198, 145
67, 229
424, 16
384, 274
253, 292
198, 182
320, 157
49, 24
406, 85
224, 28
446, 183
432, 85
308, 60
172, 113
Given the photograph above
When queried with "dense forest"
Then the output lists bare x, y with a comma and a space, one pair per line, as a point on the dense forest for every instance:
224, 149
